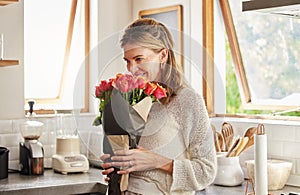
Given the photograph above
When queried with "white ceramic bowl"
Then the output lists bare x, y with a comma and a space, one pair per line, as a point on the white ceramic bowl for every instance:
278, 173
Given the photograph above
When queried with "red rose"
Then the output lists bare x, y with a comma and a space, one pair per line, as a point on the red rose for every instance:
150, 88
160, 92
103, 86
98, 91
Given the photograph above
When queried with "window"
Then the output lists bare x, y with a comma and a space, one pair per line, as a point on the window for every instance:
265, 50
56, 44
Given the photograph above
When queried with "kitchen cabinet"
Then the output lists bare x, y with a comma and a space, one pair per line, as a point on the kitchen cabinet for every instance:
7, 2
8, 62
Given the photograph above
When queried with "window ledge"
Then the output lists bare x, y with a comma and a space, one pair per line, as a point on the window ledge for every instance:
266, 119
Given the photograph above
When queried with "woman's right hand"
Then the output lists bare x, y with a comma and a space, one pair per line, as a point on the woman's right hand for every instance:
107, 166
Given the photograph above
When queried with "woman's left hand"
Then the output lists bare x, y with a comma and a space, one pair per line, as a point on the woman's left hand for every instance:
140, 159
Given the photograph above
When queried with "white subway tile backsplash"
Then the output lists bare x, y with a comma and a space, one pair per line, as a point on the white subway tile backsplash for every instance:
8, 140
48, 162
49, 150
283, 133
14, 164
297, 137
291, 149
16, 125
297, 163
13, 153
275, 147
6, 126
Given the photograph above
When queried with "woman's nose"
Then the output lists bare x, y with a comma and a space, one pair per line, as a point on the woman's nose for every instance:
132, 67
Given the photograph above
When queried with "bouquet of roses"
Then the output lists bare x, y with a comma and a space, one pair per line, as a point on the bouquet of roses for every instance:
125, 102
132, 89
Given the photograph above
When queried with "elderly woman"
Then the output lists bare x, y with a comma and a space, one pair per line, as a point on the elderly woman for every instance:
175, 154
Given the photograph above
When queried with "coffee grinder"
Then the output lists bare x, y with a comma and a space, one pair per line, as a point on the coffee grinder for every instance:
31, 150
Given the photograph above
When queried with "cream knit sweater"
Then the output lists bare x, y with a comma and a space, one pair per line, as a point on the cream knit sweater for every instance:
180, 131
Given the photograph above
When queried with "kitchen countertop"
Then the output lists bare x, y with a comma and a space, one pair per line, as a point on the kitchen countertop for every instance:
54, 183
240, 190
92, 182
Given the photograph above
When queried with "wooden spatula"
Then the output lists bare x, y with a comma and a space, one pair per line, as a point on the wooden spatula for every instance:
227, 132
234, 145
241, 146
221, 141
217, 145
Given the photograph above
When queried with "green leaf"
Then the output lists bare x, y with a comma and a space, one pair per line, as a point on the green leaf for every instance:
97, 121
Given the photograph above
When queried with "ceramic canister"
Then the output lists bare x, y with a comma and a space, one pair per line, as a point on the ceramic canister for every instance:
229, 172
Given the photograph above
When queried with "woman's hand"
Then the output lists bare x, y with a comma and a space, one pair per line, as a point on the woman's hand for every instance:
140, 159
107, 166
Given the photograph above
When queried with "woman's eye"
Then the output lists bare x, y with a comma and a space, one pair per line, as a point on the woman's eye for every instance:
139, 60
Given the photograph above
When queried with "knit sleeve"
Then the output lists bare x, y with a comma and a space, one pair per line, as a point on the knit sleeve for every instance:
199, 169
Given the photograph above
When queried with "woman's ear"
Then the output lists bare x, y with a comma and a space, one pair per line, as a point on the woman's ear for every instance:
164, 55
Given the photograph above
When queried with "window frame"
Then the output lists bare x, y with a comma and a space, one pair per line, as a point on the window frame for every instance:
208, 73
208, 44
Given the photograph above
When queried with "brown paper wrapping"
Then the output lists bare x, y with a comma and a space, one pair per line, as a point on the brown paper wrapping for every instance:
120, 142
143, 107
125, 119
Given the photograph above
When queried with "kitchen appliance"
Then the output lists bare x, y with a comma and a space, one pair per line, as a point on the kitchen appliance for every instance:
31, 150
68, 158
3, 162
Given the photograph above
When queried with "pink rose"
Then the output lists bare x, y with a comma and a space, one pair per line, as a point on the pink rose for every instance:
125, 83
140, 83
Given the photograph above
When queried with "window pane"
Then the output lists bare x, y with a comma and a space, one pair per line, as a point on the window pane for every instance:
269, 46
46, 30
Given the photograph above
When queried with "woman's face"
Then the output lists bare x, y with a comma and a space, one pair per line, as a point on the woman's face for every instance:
144, 62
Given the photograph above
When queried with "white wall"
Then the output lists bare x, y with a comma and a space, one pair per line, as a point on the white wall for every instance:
12, 77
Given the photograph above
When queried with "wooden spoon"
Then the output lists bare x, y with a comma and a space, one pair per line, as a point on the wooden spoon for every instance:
227, 132
250, 134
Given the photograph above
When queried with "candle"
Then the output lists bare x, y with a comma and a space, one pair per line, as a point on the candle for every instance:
260, 158
1, 46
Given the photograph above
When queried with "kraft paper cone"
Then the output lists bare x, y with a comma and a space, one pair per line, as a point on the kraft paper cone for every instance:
120, 142
143, 107
124, 182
